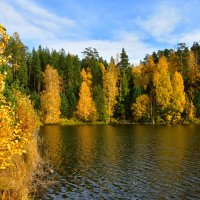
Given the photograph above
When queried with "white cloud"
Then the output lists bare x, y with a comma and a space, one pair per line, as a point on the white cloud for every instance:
31, 21
42, 14
190, 37
106, 48
37, 25
162, 22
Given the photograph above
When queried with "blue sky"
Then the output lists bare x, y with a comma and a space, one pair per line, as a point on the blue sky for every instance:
140, 27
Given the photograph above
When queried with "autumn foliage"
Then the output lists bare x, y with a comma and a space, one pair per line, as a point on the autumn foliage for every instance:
141, 108
18, 127
165, 98
50, 98
9, 130
4, 39
16, 130
86, 110
17, 122
162, 83
178, 95
110, 78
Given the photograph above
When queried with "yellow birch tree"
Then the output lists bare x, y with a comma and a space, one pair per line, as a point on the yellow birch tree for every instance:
86, 110
162, 83
50, 97
178, 95
141, 108
110, 89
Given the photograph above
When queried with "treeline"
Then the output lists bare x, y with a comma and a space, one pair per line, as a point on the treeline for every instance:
164, 87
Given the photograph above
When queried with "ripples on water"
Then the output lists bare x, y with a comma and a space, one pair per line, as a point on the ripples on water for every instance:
123, 162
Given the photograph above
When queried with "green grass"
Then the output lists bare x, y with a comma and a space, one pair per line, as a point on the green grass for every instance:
65, 122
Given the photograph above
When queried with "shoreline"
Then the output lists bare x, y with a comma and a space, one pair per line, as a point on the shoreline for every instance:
71, 122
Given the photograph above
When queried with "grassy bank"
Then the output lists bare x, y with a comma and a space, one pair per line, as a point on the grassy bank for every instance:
69, 122
19, 156
16, 180
65, 122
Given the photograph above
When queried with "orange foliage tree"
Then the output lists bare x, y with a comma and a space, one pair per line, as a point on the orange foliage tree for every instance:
110, 77
141, 108
50, 97
9, 130
26, 114
162, 83
140, 79
17, 122
86, 110
4, 39
178, 95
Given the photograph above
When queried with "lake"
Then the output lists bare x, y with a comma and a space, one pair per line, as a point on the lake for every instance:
123, 161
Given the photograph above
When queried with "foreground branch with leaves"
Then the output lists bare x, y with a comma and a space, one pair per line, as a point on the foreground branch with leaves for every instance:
18, 128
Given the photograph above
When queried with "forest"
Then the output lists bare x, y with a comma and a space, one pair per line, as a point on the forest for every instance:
163, 88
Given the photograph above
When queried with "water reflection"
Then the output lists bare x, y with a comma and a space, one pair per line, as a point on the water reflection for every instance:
85, 145
53, 143
127, 162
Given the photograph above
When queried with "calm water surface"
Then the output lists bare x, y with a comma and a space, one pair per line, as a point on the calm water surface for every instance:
123, 161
